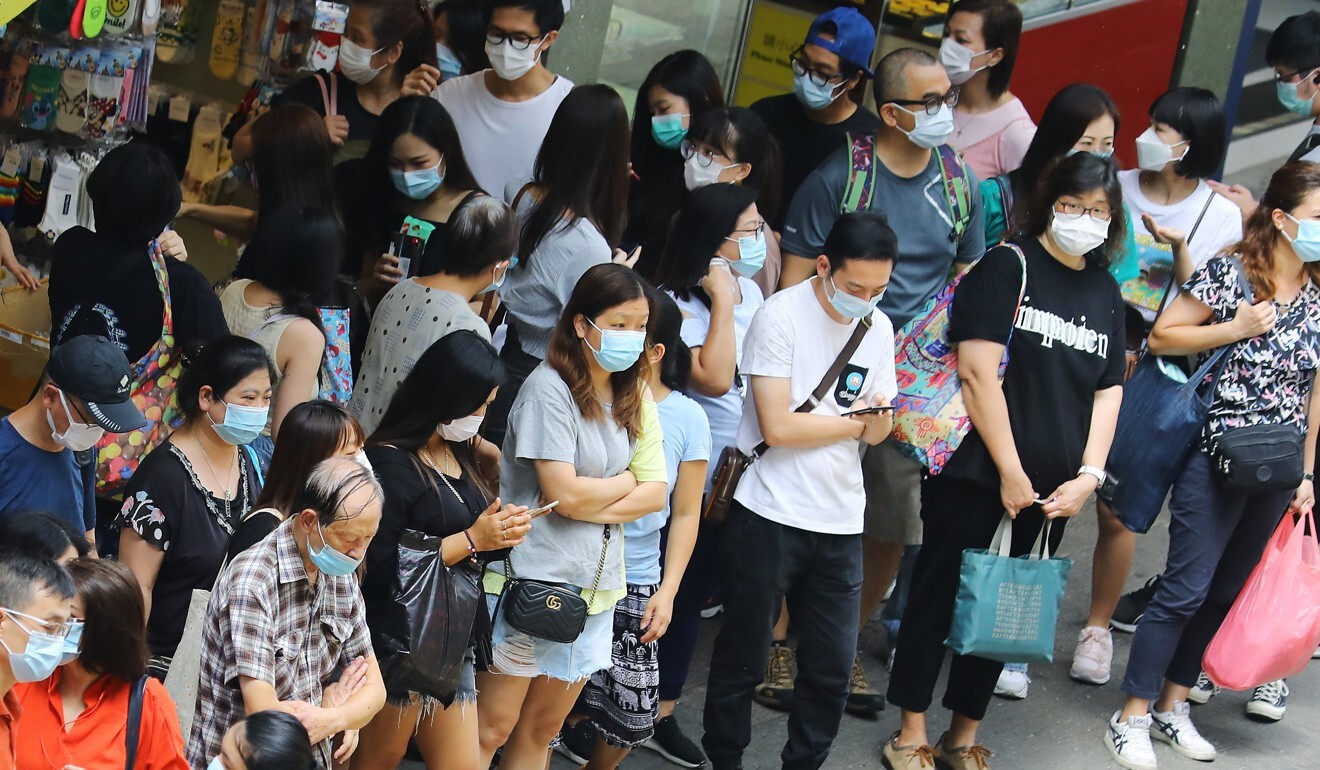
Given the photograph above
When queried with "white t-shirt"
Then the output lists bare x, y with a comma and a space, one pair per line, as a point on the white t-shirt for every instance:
724, 412
817, 489
1220, 227
500, 139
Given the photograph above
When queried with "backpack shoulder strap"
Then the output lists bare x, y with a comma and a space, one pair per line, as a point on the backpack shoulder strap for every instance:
329, 94
133, 731
861, 174
957, 189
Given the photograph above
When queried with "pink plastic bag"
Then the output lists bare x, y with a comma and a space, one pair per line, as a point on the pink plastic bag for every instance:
1274, 626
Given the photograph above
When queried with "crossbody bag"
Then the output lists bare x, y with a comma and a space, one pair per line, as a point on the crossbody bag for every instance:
733, 463
555, 612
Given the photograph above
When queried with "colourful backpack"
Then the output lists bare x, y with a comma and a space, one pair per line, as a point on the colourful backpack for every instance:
930, 417
861, 180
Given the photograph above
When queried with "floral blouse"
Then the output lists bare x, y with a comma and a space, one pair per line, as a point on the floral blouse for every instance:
1267, 379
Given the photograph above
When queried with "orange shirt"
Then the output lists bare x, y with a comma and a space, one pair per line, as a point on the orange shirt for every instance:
95, 741
10, 712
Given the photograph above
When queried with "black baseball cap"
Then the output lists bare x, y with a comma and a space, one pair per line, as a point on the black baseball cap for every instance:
95, 371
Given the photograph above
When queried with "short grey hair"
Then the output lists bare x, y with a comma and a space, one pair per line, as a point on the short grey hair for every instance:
891, 73
331, 483
482, 232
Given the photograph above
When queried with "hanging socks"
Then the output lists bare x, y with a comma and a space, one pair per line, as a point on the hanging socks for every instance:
227, 39
43, 85
249, 68
102, 105
93, 18
71, 106
119, 16
32, 193
204, 158
62, 199
14, 80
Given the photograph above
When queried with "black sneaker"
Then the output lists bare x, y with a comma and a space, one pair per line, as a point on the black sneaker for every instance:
670, 743
577, 742
1132, 606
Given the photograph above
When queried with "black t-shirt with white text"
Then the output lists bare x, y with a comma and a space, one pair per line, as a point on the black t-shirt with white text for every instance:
1067, 343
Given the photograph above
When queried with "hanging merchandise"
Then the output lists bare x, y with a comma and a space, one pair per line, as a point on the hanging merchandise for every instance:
15, 77
227, 40
43, 85
176, 38
328, 24
204, 157
93, 18
120, 15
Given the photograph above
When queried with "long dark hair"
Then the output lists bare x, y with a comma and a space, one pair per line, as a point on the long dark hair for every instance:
1064, 121
311, 432
664, 327
296, 253
741, 136
687, 74
275, 740
43, 535
452, 379
467, 32
1288, 189
700, 227
221, 363
1074, 175
581, 170
407, 22
600, 288
114, 641
293, 160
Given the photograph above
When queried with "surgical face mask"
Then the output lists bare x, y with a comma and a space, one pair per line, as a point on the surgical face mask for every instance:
751, 254
931, 130
1153, 154
508, 62
361, 459
1290, 99
496, 283
355, 62
328, 560
850, 306
216, 764
696, 175
619, 349
40, 658
71, 642
957, 61
242, 423
1307, 243
79, 437
1078, 235
812, 96
450, 66
418, 184
462, 429
1098, 153
668, 131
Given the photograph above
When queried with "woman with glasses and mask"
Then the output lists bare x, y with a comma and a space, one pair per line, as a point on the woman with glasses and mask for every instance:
1043, 435
991, 127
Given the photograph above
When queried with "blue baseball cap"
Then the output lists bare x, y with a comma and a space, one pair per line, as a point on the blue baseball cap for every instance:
854, 37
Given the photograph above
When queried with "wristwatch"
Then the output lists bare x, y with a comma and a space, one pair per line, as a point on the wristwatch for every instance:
1099, 474
1308, 477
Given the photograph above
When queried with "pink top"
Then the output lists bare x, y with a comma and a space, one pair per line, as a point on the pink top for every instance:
993, 142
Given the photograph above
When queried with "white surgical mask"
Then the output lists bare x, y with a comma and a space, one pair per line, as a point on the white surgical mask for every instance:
79, 437
355, 62
696, 175
1153, 154
1078, 235
931, 130
508, 62
461, 429
957, 61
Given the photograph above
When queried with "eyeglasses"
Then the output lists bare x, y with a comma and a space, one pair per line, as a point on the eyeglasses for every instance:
1288, 78
757, 228
1076, 210
58, 630
518, 40
931, 104
801, 67
704, 157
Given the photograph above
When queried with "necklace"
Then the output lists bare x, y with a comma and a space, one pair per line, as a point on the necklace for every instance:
425, 454
224, 483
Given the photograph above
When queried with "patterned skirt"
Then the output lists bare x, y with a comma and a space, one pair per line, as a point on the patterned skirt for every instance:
622, 700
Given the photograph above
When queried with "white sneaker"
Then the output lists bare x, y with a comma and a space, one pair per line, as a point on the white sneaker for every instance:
1269, 701
1129, 742
1203, 690
1012, 684
1176, 729
1094, 654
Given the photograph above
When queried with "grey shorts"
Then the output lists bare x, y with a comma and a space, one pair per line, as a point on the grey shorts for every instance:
893, 495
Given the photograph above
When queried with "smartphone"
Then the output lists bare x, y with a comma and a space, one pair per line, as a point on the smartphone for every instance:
543, 510
871, 410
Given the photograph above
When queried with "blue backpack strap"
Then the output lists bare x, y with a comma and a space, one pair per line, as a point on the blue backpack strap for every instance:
957, 189
256, 464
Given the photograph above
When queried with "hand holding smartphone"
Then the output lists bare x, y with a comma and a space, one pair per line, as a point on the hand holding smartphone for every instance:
870, 410
536, 513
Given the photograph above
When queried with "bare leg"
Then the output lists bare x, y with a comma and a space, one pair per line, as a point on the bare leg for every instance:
1171, 692
498, 708
781, 625
666, 709
1115, 547
547, 703
449, 738
383, 742
1135, 707
913, 730
962, 731
880, 562
605, 756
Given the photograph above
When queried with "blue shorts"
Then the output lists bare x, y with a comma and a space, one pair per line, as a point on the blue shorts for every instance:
517, 654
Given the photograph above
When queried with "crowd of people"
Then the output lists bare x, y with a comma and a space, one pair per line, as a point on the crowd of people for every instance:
509, 393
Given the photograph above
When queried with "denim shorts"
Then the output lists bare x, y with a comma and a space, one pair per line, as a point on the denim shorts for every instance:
465, 694
517, 654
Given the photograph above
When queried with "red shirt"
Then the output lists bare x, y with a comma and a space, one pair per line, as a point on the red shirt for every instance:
10, 712
96, 740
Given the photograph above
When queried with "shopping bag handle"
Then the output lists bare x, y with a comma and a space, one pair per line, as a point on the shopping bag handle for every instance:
1002, 542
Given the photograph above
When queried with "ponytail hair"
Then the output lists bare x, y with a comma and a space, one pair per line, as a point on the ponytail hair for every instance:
403, 21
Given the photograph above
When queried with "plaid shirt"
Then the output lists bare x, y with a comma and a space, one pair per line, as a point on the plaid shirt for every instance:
265, 621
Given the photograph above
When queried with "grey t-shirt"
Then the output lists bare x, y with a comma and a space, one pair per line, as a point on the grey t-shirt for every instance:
918, 212
545, 424
538, 288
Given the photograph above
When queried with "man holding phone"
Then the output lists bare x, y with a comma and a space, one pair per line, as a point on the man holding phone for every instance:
814, 353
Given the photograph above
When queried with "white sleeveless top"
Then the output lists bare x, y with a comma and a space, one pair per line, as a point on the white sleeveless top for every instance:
263, 325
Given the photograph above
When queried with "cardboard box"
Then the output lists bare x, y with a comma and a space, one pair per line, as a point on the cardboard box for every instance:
24, 343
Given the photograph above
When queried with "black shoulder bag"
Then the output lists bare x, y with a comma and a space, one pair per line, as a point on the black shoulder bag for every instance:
555, 612
133, 733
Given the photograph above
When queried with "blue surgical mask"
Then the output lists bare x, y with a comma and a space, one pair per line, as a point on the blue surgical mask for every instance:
668, 131
1307, 243
619, 349
1098, 153
850, 306
39, 659
751, 254
71, 642
328, 560
450, 66
418, 184
812, 96
1288, 97
216, 764
242, 423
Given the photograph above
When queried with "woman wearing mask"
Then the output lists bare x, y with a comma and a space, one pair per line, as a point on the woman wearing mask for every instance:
424, 454
1021, 449
678, 89
313, 431
266, 740
77, 717
1216, 534
294, 260
583, 433
732, 144
572, 215
991, 127
414, 169
460, 38
182, 504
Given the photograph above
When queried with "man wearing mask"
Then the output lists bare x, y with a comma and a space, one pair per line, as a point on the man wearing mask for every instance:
1294, 53
933, 204
502, 113
35, 602
287, 613
84, 395
811, 122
